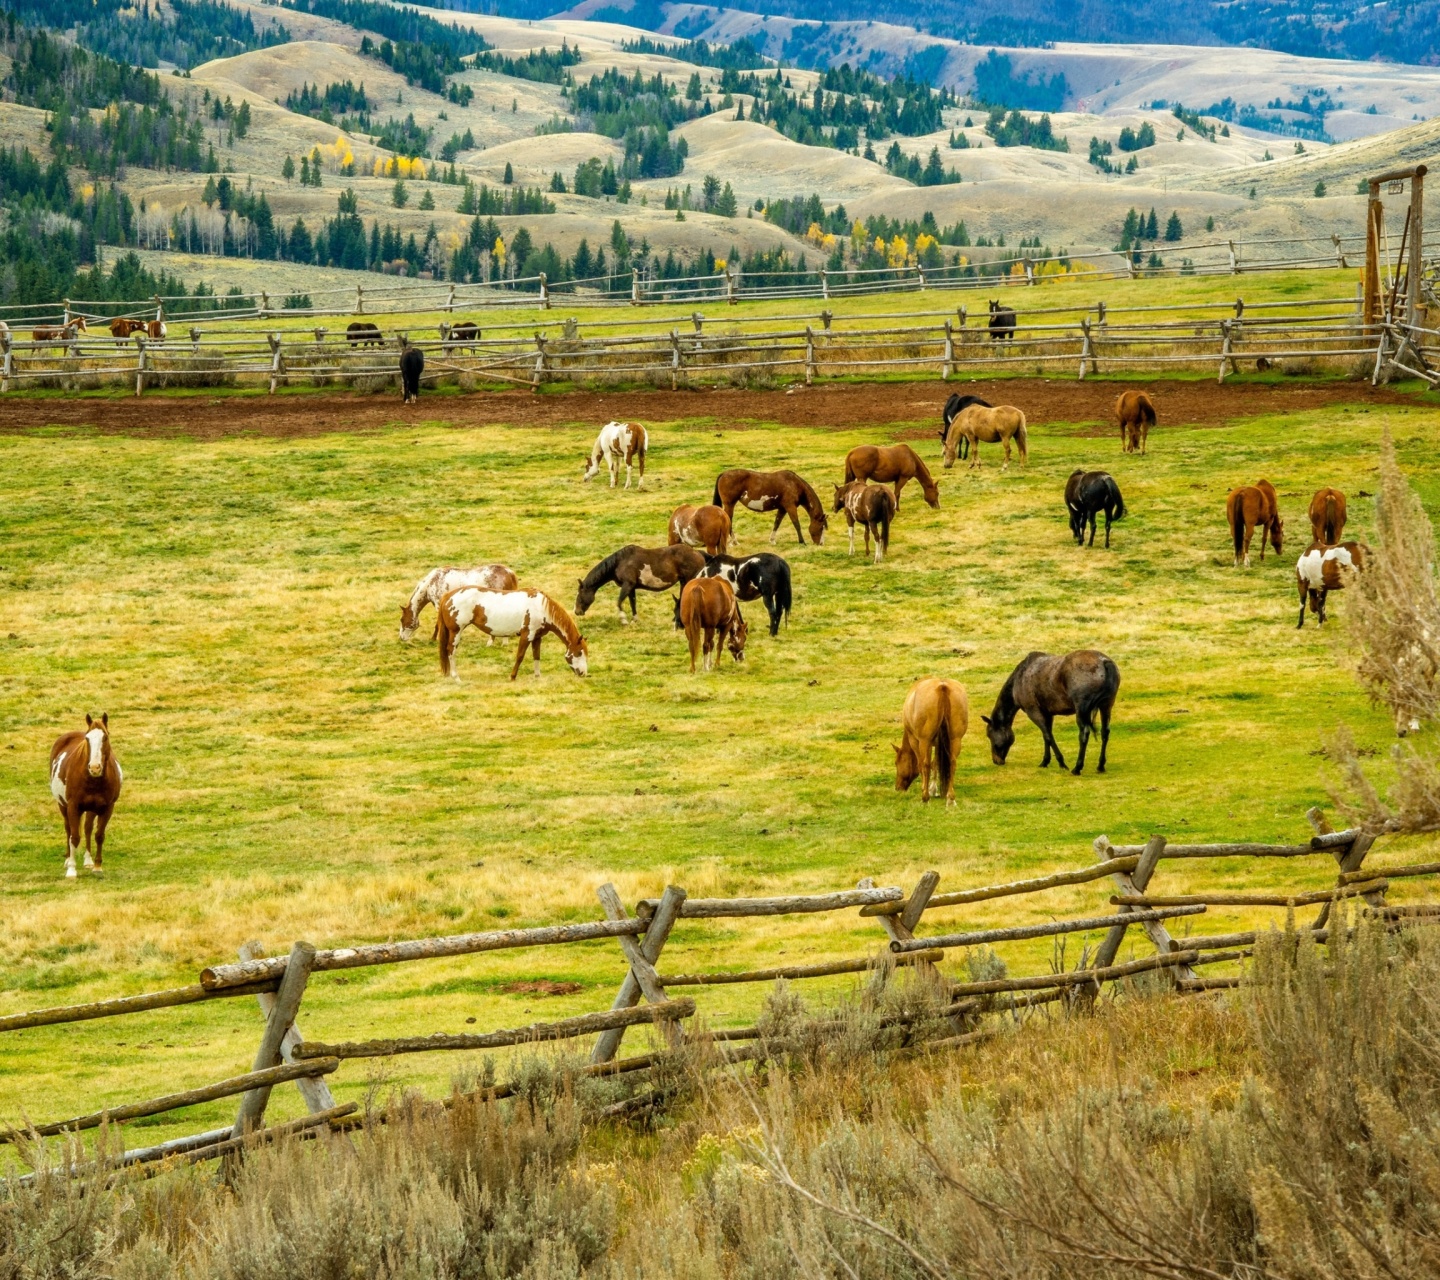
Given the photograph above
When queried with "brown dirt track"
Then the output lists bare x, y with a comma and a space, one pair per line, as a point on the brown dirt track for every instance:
836, 405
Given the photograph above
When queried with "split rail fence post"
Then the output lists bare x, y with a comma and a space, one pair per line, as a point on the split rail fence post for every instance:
1234, 259
901, 928
1339, 253
277, 362
1224, 350
313, 1089
450, 305
139, 363
675, 362
159, 309
731, 288
359, 300
1349, 859
809, 355
7, 368
825, 285
634, 286
195, 341
646, 951
948, 368
282, 1014
539, 361
264, 305
1029, 270
1134, 882
1087, 351
544, 293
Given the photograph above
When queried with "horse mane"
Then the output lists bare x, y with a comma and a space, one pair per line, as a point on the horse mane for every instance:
605, 571
809, 499
1003, 712
922, 472
559, 618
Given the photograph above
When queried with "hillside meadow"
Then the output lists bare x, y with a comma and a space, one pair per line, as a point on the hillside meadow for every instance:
294, 771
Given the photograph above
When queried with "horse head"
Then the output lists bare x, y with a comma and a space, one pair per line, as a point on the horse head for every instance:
584, 599
577, 654
738, 635
839, 498
679, 625
907, 767
818, 523
1277, 531
1002, 738
408, 621
97, 739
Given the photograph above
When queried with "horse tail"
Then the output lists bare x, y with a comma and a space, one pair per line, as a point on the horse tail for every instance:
1112, 682
1147, 410
942, 745
443, 634
1237, 524
887, 509
1332, 519
849, 470
1120, 511
1022, 439
715, 497
782, 590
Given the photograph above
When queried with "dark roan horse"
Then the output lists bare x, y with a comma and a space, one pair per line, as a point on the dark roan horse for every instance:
634, 568
759, 577
1044, 686
953, 407
1087, 494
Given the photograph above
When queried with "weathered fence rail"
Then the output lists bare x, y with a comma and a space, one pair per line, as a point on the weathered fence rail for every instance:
279, 983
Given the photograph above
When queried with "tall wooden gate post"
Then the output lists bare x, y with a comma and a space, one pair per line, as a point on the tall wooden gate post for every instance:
642, 953
282, 1015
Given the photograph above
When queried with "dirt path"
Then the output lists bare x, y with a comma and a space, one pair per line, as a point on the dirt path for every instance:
1197, 404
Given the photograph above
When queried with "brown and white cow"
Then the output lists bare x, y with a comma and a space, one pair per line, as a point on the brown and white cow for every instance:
85, 779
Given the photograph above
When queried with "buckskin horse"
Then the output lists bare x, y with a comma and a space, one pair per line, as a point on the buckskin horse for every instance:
634, 568
1136, 415
1327, 516
531, 615
1087, 493
619, 441
707, 527
1250, 507
1044, 686
782, 492
708, 608
977, 425
85, 779
952, 407
868, 505
885, 463
1323, 569
438, 583
935, 720
759, 577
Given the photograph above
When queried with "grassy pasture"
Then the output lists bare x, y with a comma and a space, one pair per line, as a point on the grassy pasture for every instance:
293, 770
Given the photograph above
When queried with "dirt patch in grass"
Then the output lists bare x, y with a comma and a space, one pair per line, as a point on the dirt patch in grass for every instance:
837, 406
541, 987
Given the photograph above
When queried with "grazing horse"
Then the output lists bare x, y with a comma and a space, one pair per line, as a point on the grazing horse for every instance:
617, 440
1087, 493
362, 333
884, 463
1002, 323
871, 506
707, 527
635, 568
155, 330
1249, 507
1327, 516
1323, 569
85, 779
952, 407
782, 492
455, 336
1136, 415
708, 607
531, 615
412, 365
759, 577
121, 329
439, 583
61, 335
1043, 687
979, 424
935, 719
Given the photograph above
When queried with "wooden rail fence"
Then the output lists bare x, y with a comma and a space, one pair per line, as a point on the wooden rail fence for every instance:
911, 934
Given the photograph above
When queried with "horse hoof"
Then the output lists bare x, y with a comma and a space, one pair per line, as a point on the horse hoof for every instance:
1075, 772
70, 873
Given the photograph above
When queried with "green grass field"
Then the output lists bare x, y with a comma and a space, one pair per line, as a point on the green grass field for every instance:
293, 770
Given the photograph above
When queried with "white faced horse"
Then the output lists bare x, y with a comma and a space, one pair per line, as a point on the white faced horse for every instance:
438, 583
617, 441
530, 615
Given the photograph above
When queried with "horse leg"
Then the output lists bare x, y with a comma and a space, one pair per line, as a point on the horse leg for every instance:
851, 520
924, 750
1104, 735
709, 663
1249, 533
772, 607
795, 520
88, 822
1091, 518
1107, 528
775, 532
1005, 466
535, 651
1324, 591
520, 651
899, 484
101, 822
72, 840
612, 464
620, 607
1086, 727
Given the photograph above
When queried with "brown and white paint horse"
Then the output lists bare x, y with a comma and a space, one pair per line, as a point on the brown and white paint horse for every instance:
1323, 569
708, 607
438, 583
85, 779
531, 615
872, 507
707, 527
936, 718
885, 463
635, 568
61, 335
782, 492
617, 442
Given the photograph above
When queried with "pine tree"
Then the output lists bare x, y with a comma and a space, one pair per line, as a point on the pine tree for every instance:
427, 201
1173, 229
287, 170
304, 171
1152, 226
693, 90
726, 206
400, 194
509, 174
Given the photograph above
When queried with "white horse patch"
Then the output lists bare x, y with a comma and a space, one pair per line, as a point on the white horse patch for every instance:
57, 783
1311, 566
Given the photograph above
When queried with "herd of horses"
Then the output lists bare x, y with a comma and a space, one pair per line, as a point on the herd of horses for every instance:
64, 335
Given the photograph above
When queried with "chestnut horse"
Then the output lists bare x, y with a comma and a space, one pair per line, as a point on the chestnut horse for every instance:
1043, 687
708, 607
707, 527
782, 492
1136, 415
884, 463
531, 615
121, 329
438, 583
617, 442
1327, 516
935, 720
1323, 569
1250, 507
61, 335
977, 425
85, 779
871, 506
635, 568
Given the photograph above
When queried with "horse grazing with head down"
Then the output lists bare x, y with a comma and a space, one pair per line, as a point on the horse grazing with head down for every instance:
635, 568
1251, 507
1087, 493
708, 608
1327, 516
953, 406
1043, 687
977, 425
439, 582
884, 463
619, 441
1323, 569
935, 720
782, 492
85, 779
1136, 415
759, 577
871, 507
530, 615
707, 527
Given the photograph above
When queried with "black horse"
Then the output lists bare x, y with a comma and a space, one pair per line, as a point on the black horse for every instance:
1002, 323
759, 577
412, 365
1087, 493
1043, 687
953, 406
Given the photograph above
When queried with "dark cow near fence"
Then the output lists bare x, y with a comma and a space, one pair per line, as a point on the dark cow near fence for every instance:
412, 365
1002, 323
361, 333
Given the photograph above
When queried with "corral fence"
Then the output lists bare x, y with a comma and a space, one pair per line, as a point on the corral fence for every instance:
918, 930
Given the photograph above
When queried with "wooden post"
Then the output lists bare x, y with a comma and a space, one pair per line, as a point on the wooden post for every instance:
809, 355
282, 1014
901, 928
631, 989
1224, 349
1100, 314
698, 321
1374, 225
1029, 270
264, 305
194, 341
1339, 253
644, 970
7, 367
1086, 350
1415, 272
825, 284
450, 305
1234, 259
634, 286
948, 367
732, 288
359, 300
313, 1089
139, 363
539, 361
544, 293
65, 315
277, 365
1349, 859
159, 308
675, 363
920, 271
1134, 882
826, 317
